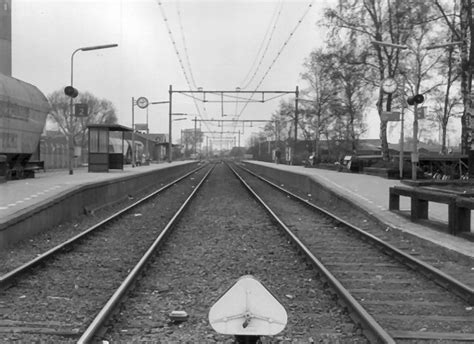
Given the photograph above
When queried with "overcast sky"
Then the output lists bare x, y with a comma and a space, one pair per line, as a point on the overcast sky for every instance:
222, 37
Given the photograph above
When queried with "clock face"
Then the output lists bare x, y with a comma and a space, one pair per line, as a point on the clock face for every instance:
142, 102
389, 85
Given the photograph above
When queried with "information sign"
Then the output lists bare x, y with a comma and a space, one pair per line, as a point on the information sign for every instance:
390, 116
80, 110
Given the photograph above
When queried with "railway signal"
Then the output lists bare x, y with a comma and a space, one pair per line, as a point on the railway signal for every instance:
416, 99
71, 91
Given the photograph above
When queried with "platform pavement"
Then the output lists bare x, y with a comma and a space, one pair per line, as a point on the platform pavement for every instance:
18, 195
372, 194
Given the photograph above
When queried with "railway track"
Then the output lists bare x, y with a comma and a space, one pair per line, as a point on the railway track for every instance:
53, 296
222, 235
411, 300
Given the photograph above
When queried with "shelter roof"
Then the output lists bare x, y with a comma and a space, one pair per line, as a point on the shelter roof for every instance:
111, 127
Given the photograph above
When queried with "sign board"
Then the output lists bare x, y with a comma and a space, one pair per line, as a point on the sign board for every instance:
141, 126
421, 112
390, 116
80, 110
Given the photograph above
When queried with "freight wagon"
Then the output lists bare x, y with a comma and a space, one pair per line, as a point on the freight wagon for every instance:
23, 112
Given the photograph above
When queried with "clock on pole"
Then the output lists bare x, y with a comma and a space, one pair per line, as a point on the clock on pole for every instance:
389, 85
142, 102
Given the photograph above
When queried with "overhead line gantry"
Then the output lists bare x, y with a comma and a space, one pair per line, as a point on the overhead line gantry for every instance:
236, 95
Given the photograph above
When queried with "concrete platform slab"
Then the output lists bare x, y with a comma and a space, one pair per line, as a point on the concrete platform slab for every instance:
30, 206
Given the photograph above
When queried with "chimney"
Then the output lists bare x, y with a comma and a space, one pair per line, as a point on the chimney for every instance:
6, 37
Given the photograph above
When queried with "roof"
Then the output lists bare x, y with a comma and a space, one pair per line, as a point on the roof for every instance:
111, 127
22, 94
159, 138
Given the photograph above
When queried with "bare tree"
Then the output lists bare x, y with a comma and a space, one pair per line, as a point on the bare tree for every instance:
321, 93
391, 21
459, 20
99, 111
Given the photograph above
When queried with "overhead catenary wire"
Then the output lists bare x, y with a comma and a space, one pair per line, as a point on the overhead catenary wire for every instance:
272, 24
282, 48
268, 33
183, 38
187, 74
178, 55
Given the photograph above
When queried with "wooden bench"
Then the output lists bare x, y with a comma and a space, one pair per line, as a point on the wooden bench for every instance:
419, 204
464, 205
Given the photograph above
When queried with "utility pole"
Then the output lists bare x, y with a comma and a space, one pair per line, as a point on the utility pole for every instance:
296, 125
195, 134
170, 145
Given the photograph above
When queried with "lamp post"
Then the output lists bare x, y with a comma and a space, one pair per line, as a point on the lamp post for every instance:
71, 104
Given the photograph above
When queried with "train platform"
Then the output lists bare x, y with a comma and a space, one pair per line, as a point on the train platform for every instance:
18, 196
371, 193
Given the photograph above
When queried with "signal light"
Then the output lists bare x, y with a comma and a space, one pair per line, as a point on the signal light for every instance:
71, 91
416, 99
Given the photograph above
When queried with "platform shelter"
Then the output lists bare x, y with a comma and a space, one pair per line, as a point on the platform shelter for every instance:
106, 151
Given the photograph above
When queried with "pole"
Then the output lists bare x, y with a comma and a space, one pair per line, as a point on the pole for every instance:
402, 142
239, 138
71, 137
414, 154
195, 134
316, 148
296, 124
71, 114
170, 151
147, 132
133, 132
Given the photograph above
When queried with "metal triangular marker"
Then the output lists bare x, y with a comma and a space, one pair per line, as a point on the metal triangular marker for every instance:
248, 309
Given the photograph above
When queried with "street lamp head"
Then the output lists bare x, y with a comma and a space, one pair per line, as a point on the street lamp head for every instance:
96, 47
390, 45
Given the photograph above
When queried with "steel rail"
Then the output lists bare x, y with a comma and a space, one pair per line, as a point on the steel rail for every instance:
372, 328
7, 278
99, 321
465, 292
